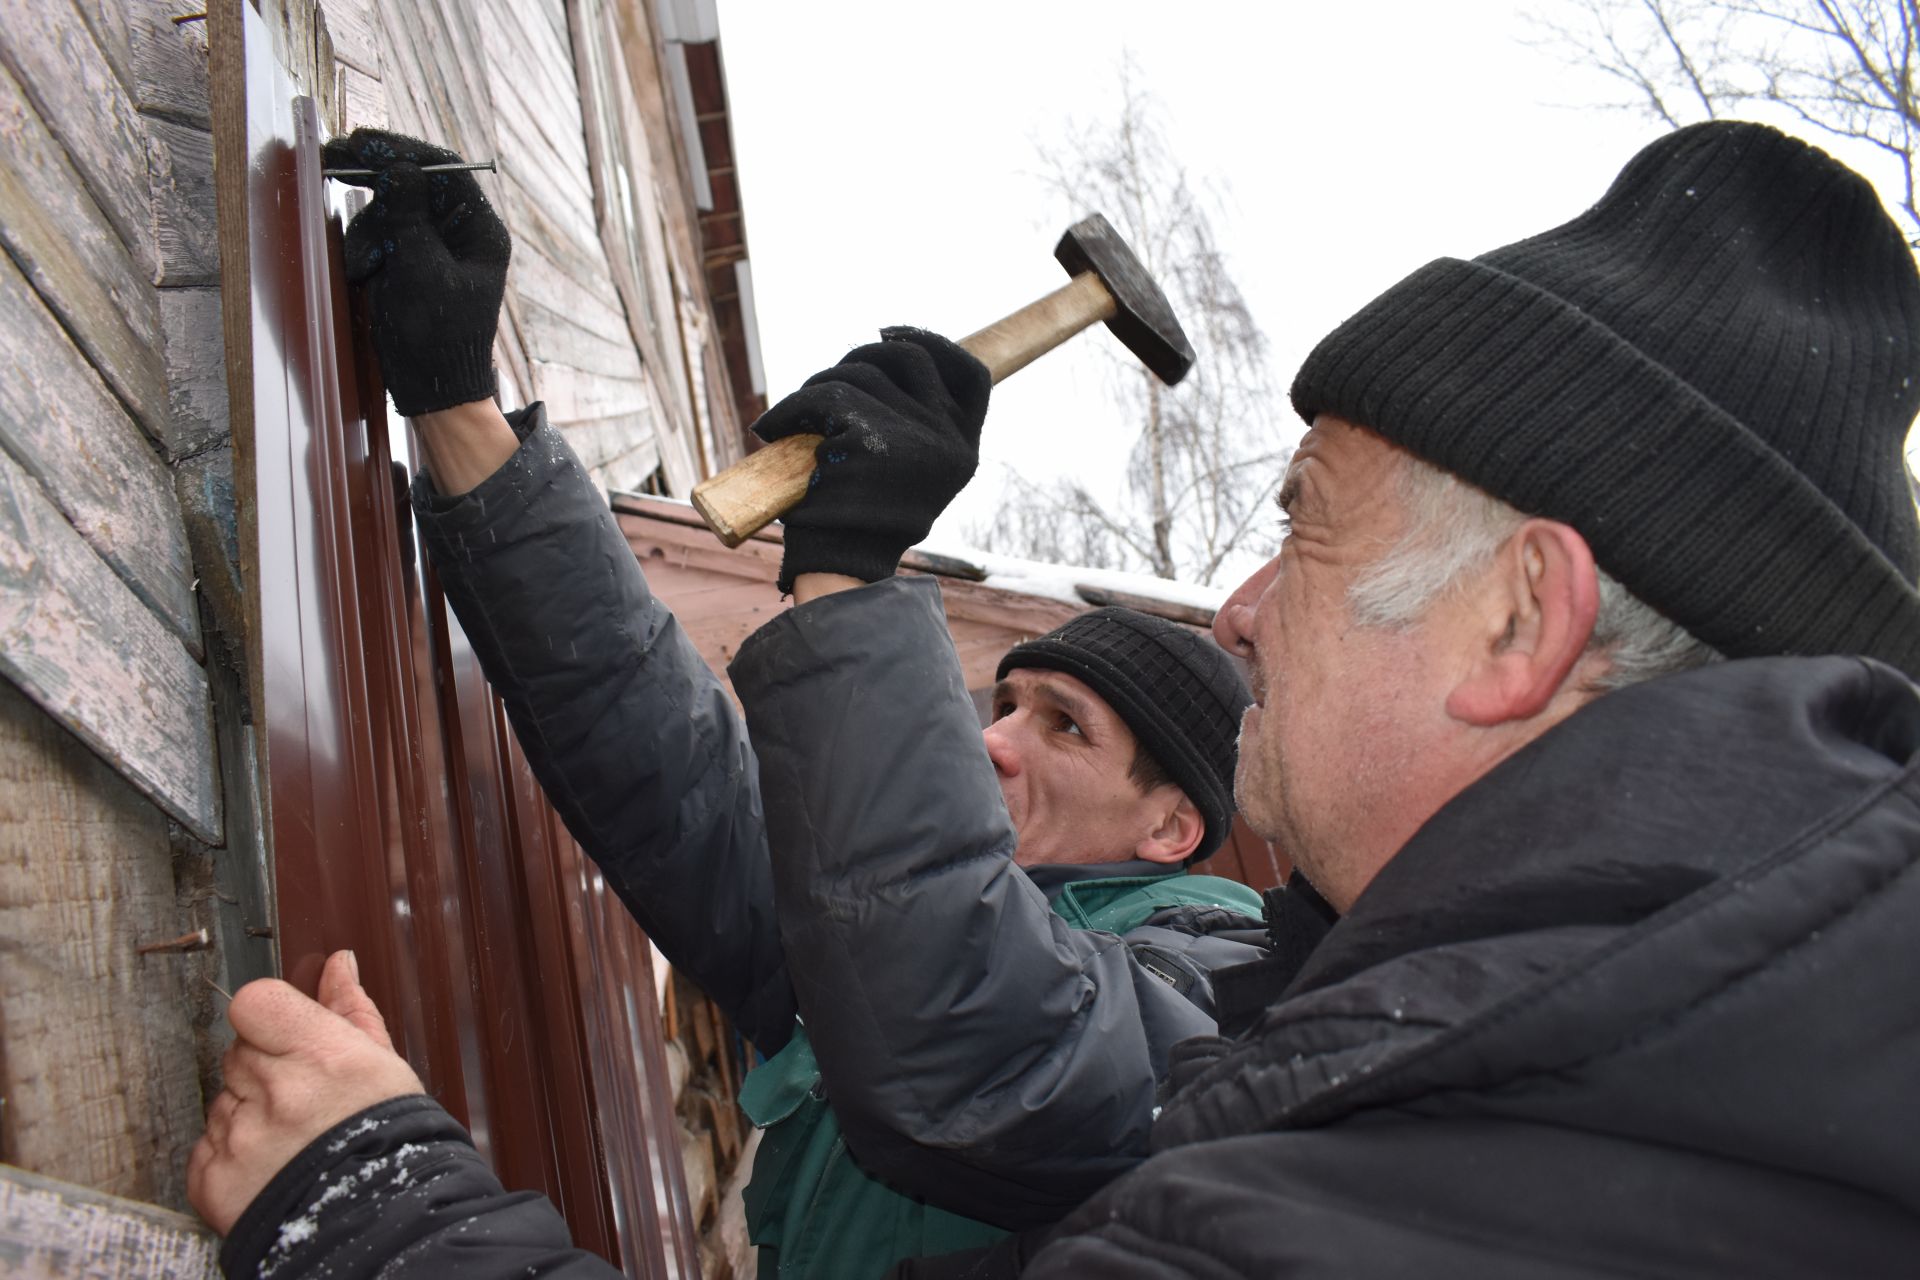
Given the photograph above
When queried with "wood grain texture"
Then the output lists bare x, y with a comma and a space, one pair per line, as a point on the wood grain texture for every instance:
52, 1230
60, 423
84, 104
77, 640
99, 1072
169, 61
185, 235
76, 260
196, 367
363, 101
350, 23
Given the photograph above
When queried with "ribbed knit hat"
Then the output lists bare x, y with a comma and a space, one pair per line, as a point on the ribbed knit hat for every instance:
1177, 690
1710, 374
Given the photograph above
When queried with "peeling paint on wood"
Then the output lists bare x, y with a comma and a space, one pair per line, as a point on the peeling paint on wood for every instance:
85, 106
59, 422
185, 237
82, 645
99, 1075
56, 1231
78, 263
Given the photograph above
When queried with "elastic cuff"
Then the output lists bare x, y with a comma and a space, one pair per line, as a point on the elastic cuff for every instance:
442, 377
824, 551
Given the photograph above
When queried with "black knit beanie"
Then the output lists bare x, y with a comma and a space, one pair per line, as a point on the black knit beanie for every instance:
1710, 374
1177, 690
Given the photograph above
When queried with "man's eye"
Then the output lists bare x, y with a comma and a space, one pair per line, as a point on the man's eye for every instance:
1068, 726
1001, 710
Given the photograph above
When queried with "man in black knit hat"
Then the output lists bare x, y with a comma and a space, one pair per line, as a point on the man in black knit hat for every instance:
1584, 690
1031, 941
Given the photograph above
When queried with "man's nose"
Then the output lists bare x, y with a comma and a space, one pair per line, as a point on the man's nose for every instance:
1233, 623
1000, 748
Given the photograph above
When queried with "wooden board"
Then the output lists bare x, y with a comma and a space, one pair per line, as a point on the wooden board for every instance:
196, 357
53, 1230
64, 244
77, 640
185, 237
84, 104
169, 60
99, 1072
60, 423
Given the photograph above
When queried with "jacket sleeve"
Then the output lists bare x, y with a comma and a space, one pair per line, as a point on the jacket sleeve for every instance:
632, 736
976, 1050
398, 1191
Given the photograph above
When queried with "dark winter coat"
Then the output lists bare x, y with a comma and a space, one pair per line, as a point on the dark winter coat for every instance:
1640, 1002
1015, 1115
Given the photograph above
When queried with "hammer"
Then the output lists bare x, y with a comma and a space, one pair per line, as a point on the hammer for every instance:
1108, 283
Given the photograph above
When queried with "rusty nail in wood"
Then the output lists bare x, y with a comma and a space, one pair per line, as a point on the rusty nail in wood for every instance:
259, 931
189, 17
473, 167
198, 940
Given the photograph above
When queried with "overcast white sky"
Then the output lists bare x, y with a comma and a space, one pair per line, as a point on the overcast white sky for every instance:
887, 157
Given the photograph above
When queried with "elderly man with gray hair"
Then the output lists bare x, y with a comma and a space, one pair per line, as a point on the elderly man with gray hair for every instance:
1584, 690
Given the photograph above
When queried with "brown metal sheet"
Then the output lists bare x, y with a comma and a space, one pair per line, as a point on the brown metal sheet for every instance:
404, 822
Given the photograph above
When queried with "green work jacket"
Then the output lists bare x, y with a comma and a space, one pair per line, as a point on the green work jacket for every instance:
812, 1210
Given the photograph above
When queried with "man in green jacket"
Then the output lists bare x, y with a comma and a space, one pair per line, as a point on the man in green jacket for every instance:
1008, 1068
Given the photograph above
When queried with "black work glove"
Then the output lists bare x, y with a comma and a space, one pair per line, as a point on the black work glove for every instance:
433, 255
902, 421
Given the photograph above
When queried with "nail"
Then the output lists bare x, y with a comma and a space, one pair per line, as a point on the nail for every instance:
473, 167
198, 940
353, 967
217, 987
259, 931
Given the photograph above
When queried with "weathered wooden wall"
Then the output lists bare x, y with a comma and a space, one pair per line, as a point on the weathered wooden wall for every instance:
116, 828
129, 811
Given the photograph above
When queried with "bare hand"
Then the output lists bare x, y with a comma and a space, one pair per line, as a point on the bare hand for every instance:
296, 1069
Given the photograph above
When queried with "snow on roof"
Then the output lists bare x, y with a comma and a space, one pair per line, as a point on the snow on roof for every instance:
1027, 577
1060, 581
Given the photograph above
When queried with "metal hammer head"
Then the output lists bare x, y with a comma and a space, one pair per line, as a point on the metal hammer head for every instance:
1142, 318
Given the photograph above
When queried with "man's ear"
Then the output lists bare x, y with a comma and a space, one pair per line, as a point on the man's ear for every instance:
1531, 621
1178, 832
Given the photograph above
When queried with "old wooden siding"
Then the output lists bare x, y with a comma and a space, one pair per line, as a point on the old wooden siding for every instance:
110, 776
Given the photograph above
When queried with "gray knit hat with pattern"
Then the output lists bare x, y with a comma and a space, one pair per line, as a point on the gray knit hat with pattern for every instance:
1710, 374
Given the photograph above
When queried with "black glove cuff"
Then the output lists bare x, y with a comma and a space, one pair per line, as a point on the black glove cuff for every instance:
858, 555
435, 378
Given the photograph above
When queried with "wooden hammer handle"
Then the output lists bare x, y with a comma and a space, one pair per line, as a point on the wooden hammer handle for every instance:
771, 481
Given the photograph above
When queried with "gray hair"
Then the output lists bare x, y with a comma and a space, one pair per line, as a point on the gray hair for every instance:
1454, 527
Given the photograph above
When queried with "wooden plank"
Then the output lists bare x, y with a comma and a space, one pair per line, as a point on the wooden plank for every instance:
59, 422
77, 262
553, 335
169, 61
363, 101
196, 356
186, 239
1173, 610
99, 1072
77, 640
350, 23
108, 26
58, 1231
548, 283
76, 93
601, 441
631, 469
574, 396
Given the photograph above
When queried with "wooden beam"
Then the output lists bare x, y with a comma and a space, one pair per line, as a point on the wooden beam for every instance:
64, 244
99, 1074
77, 640
62, 1232
59, 422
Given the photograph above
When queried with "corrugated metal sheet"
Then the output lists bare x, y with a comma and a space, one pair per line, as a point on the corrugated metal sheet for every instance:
404, 821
